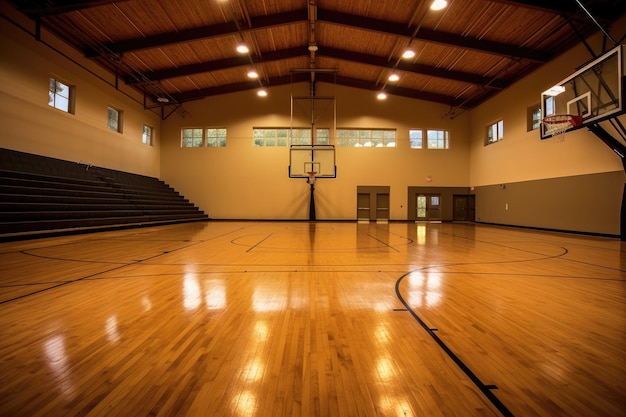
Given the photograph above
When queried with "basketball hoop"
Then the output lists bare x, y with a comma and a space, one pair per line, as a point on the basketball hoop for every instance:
311, 179
557, 124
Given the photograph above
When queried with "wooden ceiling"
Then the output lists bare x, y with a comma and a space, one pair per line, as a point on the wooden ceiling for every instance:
185, 49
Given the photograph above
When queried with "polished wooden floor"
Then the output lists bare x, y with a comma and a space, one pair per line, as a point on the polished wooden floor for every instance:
313, 319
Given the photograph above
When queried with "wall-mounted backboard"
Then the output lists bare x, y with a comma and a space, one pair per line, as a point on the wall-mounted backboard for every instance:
312, 158
594, 92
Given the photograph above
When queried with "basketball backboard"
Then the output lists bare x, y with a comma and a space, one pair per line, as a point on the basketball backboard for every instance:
594, 92
312, 158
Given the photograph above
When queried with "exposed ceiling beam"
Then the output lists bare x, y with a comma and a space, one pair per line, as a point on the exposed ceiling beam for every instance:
162, 39
602, 10
421, 69
232, 88
398, 91
217, 65
300, 16
378, 61
321, 77
436, 36
49, 8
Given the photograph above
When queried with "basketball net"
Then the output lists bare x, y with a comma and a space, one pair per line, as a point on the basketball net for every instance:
557, 124
311, 179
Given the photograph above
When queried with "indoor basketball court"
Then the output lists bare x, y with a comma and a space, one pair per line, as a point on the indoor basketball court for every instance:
309, 318
330, 208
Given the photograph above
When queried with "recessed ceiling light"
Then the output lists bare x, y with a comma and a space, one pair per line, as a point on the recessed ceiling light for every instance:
381, 95
438, 5
393, 77
262, 92
253, 74
408, 54
242, 48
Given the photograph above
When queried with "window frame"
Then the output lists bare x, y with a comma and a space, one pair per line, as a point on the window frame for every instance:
533, 117
191, 139
490, 138
119, 119
215, 141
147, 139
443, 142
53, 95
367, 138
416, 143
276, 137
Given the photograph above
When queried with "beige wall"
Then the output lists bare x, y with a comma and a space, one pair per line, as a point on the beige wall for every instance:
29, 124
521, 155
244, 181
574, 184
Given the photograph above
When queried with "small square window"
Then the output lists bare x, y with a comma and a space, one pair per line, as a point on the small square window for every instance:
191, 138
416, 138
216, 137
437, 139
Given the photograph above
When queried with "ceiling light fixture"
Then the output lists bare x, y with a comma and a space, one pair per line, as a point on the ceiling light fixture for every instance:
438, 5
262, 92
381, 95
393, 77
242, 48
253, 74
408, 54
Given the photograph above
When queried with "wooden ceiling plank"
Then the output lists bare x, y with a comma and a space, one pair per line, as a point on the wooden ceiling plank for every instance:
59, 7
187, 35
216, 65
430, 35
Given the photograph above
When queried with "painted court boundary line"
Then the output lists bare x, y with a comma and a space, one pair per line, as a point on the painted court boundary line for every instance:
485, 389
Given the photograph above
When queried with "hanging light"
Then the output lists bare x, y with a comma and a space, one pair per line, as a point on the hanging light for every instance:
393, 77
408, 54
242, 48
438, 5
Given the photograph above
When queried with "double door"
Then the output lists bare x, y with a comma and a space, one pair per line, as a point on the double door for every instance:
372, 203
428, 207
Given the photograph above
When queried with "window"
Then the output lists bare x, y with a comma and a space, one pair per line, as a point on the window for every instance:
322, 136
533, 117
60, 96
437, 139
192, 138
289, 136
369, 138
114, 121
300, 136
495, 132
146, 136
216, 137
415, 138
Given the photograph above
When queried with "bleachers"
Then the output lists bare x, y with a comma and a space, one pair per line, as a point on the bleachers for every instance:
41, 196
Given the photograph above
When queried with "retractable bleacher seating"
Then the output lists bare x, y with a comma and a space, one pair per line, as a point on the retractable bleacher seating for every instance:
41, 195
